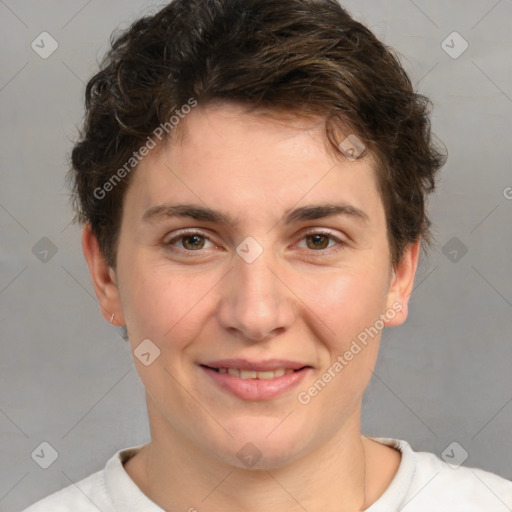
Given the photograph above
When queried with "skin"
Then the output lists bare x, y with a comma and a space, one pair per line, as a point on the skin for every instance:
295, 301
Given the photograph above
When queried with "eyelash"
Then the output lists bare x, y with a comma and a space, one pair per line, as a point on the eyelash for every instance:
328, 251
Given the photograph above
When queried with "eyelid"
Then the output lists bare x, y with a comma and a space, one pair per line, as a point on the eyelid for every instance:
320, 231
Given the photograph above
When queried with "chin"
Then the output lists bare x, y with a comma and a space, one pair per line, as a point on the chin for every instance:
263, 443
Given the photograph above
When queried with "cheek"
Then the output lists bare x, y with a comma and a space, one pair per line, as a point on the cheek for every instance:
162, 304
347, 301
350, 302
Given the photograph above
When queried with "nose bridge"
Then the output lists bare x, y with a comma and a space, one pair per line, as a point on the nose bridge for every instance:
256, 303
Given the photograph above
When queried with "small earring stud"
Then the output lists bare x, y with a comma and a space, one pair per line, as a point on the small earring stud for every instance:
112, 318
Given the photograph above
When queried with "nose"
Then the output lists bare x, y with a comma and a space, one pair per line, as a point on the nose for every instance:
256, 303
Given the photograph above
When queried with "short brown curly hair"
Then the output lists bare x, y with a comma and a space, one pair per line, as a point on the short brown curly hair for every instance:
307, 57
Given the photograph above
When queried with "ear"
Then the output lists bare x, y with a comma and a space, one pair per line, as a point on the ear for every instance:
103, 278
401, 285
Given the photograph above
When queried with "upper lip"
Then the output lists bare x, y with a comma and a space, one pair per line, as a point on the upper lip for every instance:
245, 364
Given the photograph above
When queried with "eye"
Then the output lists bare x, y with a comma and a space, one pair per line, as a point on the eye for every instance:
188, 241
196, 241
319, 241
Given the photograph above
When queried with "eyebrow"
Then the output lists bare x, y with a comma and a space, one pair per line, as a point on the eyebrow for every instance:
202, 213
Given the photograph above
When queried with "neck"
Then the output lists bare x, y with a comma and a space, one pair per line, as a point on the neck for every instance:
177, 475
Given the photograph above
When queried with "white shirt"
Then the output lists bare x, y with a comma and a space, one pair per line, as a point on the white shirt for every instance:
423, 483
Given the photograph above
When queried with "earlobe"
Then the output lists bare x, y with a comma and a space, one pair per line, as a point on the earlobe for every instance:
401, 286
103, 278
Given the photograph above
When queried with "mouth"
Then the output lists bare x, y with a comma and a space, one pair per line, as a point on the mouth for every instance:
243, 373
256, 380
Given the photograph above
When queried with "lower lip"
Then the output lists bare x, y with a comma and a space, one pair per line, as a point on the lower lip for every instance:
256, 389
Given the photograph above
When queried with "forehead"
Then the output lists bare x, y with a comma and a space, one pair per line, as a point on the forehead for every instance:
226, 158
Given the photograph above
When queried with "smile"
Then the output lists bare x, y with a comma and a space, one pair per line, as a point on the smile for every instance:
261, 382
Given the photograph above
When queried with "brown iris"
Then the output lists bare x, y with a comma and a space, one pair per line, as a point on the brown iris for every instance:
196, 242
318, 240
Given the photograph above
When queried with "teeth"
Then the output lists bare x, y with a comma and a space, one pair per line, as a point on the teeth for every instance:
248, 374
253, 374
268, 375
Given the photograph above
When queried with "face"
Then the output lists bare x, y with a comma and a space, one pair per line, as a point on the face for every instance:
276, 260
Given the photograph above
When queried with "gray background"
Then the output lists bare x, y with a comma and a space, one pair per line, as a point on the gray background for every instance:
67, 377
